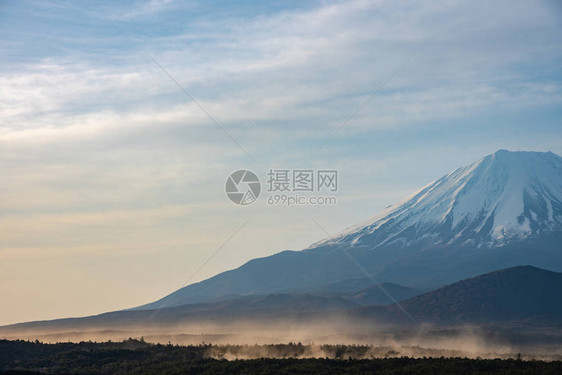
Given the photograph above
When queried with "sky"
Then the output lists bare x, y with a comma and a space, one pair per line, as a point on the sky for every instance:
112, 192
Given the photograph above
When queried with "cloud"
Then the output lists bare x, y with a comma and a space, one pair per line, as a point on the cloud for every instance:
315, 67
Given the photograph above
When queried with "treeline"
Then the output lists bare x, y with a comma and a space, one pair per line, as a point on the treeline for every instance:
137, 357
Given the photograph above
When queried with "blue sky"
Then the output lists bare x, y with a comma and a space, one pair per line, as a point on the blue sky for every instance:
114, 178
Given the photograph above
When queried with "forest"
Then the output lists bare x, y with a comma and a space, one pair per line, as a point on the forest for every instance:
139, 357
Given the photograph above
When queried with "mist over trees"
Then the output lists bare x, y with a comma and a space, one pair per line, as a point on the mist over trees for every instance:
138, 357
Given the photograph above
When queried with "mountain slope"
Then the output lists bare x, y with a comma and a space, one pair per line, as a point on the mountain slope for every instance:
502, 198
514, 294
373, 295
363, 291
501, 211
242, 309
522, 295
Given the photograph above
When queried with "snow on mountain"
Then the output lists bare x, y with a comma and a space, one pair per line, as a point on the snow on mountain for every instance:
501, 198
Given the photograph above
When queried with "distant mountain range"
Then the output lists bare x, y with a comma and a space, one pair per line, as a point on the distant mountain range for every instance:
501, 211
522, 295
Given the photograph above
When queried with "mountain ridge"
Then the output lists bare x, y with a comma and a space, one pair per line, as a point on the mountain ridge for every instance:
501, 211
498, 197
522, 295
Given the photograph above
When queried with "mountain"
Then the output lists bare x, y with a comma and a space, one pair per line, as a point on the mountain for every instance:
522, 293
500, 199
522, 296
501, 211
374, 295
248, 309
362, 291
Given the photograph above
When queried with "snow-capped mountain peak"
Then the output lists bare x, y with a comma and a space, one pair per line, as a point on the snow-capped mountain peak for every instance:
501, 198
502, 211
